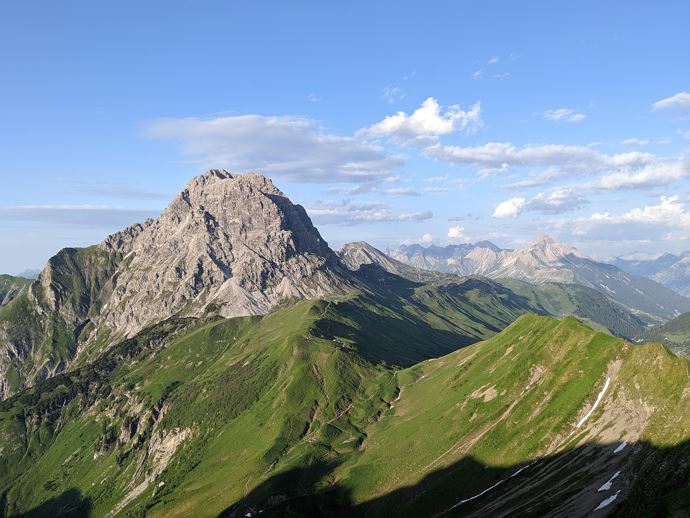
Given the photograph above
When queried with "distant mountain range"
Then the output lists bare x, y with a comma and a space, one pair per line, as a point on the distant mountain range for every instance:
547, 261
673, 271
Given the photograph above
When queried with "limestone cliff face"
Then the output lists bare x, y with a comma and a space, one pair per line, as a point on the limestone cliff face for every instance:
236, 244
231, 245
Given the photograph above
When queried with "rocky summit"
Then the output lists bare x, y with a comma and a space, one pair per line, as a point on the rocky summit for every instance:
234, 243
227, 245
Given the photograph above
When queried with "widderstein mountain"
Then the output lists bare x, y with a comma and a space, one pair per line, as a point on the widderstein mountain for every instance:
223, 360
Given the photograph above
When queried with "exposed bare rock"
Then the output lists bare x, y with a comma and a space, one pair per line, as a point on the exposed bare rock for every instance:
235, 244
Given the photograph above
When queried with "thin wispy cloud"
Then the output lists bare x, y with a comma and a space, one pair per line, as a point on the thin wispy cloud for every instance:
564, 114
393, 94
679, 101
350, 212
288, 148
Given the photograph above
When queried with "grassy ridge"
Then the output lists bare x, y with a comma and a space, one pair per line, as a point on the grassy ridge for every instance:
331, 407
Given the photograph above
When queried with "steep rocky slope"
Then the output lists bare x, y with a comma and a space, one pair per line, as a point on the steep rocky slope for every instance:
233, 243
227, 245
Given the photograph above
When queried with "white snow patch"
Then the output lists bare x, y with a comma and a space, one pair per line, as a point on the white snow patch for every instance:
478, 494
609, 483
606, 502
596, 403
492, 487
125, 257
621, 447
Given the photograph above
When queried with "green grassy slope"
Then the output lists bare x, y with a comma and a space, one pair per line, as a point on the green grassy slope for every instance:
307, 411
593, 307
674, 334
42, 327
297, 385
10, 287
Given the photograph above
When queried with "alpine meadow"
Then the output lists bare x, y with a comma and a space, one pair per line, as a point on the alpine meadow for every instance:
308, 259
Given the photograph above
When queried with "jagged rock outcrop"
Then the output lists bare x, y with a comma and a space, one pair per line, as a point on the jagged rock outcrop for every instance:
233, 243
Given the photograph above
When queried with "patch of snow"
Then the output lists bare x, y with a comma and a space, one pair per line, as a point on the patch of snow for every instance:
609, 482
478, 494
161, 484
621, 447
125, 257
606, 502
596, 403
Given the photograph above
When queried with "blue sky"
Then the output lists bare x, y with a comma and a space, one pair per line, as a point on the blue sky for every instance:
395, 122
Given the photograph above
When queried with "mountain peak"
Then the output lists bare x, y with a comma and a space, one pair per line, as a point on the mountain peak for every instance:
233, 242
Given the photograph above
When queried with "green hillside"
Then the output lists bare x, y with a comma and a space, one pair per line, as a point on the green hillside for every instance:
593, 307
10, 287
674, 334
307, 411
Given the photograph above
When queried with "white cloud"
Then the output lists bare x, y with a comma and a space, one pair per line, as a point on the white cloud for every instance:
393, 94
426, 123
349, 212
661, 173
401, 191
313, 98
98, 216
637, 142
683, 134
456, 232
667, 220
564, 114
477, 74
555, 202
491, 171
427, 239
679, 101
569, 158
509, 208
290, 148
492, 61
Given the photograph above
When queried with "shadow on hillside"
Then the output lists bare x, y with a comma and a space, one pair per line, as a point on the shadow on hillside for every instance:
69, 504
403, 331
653, 482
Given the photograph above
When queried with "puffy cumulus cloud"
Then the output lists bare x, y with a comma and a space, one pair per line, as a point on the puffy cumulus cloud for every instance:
510, 208
662, 173
351, 212
290, 148
680, 101
668, 219
426, 123
456, 232
564, 114
555, 202
670, 210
